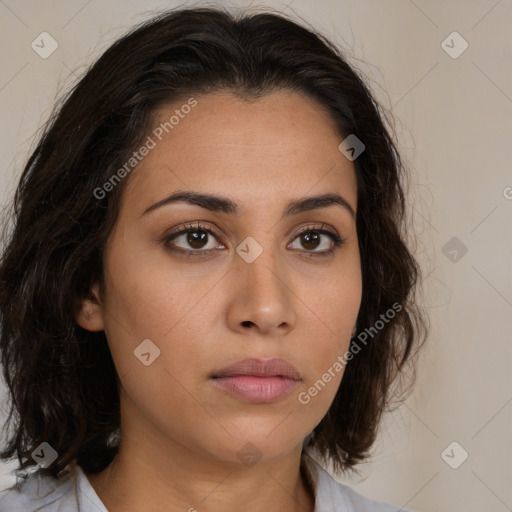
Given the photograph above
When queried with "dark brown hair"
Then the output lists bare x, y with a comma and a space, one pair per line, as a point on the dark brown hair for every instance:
61, 379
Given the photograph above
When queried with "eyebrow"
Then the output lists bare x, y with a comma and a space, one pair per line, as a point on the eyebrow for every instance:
221, 204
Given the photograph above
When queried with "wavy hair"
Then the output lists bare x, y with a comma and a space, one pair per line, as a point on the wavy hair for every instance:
61, 380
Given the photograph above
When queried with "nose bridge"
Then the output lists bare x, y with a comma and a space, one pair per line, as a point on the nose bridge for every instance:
258, 264
264, 296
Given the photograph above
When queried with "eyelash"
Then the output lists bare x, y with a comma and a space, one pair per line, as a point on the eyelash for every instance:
190, 228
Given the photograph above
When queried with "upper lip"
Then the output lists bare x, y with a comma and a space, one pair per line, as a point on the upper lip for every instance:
263, 367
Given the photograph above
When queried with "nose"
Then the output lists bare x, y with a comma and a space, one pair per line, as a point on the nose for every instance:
262, 299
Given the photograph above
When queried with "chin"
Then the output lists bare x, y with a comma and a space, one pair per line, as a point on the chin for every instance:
264, 442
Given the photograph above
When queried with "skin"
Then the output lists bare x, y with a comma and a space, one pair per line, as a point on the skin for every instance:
180, 433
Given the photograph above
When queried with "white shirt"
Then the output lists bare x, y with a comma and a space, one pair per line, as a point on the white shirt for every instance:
73, 493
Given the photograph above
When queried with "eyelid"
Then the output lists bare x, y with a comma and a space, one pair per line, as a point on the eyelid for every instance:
192, 226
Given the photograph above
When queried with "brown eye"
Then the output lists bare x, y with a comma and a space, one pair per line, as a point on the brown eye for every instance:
311, 240
197, 239
194, 239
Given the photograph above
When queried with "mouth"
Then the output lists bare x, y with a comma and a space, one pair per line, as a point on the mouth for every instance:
258, 380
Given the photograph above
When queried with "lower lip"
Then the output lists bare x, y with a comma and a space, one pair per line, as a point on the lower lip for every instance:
256, 390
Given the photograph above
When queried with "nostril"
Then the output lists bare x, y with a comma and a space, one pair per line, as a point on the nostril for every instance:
247, 323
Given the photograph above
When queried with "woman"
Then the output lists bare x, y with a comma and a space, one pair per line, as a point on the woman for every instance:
207, 290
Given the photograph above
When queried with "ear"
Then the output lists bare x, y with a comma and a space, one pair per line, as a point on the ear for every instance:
88, 314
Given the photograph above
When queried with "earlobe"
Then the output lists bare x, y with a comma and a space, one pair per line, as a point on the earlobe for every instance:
89, 314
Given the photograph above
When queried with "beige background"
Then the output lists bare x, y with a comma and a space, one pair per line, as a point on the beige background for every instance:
454, 124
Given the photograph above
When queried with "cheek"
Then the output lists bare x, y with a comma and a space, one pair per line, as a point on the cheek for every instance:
148, 293
332, 314
333, 300
149, 298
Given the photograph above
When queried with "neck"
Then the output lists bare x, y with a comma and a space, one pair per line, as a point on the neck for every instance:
142, 479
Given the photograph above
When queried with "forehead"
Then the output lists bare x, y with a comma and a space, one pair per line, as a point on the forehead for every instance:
257, 150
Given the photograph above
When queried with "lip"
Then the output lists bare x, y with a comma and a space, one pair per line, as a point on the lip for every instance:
258, 380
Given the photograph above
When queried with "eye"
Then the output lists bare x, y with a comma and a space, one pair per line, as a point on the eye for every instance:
197, 240
311, 239
195, 236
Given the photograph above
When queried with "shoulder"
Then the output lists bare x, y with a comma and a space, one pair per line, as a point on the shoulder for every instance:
41, 493
331, 495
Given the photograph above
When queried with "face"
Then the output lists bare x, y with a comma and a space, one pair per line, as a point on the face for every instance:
252, 277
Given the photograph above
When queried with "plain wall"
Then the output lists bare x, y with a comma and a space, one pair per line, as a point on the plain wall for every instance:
454, 125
